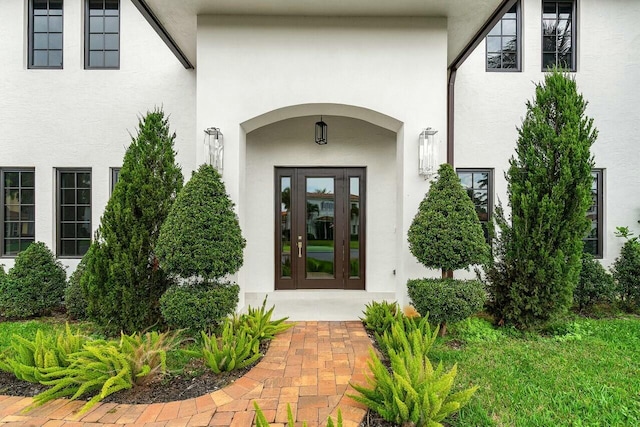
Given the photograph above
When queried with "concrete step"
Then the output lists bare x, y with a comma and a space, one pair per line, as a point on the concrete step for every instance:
322, 305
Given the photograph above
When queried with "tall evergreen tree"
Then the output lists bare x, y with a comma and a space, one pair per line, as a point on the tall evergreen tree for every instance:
549, 190
123, 281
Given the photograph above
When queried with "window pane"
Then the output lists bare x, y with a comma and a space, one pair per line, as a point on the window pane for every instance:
111, 58
55, 41
27, 197
493, 44
83, 213
55, 5
55, 24
84, 197
55, 58
111, 24
68, 213
67, 179
11, 179
68, 197
509, 44
27, 213
84, 180
495, 31
481, 180
67, 247
40, 24
96, 41
83, 246
548, 60
11, 247
111, 41
83, 230
40, 41
96, 59
11, 229
96, 24
509, 27
68, 230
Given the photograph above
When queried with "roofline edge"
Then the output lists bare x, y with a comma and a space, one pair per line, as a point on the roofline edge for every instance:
155, 23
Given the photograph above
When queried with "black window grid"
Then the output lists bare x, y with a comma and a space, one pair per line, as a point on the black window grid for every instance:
46, 34
18, 210
478, 183
503, 43
594, 241
102, 34
74, 212
559, 34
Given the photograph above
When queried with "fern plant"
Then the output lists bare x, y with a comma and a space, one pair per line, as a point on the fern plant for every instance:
99, 367
379, 316
147, 354
411, 335
235, 349
413, 393
261, 420
258, 322
28, 360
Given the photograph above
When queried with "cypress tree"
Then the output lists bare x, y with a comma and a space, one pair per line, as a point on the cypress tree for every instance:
549, 191
123, 280
446, 232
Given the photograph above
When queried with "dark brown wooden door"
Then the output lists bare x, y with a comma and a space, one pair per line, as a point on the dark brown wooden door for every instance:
320, 228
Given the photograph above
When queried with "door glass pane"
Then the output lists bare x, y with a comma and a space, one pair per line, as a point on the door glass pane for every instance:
319, 219
354, 227
285, 226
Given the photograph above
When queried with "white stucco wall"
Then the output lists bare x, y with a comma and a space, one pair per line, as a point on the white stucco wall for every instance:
250, 66
83, 118
489, 105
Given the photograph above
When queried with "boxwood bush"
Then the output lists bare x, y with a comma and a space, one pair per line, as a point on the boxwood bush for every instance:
446, 300
595, 286
34, 286
198, 307
75, 300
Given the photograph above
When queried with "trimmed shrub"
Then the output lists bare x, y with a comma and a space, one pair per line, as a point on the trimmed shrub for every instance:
626, 270
549, 190
595, 286
123, 281
201, 236
34, 286
446, 232
446, 300
75, 300
198, 307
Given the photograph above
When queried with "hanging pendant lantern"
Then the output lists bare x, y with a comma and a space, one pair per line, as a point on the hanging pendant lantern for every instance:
321, 132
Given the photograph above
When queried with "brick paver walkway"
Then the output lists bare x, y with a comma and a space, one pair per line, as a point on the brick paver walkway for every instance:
309, 367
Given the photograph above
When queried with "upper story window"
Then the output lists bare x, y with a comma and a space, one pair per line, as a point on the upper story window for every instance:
115, 176
45, 34
102, 34
558, 34
18, 210
593, 243
503, 42
479, 186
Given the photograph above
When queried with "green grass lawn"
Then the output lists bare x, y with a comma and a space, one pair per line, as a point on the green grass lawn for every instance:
590, 377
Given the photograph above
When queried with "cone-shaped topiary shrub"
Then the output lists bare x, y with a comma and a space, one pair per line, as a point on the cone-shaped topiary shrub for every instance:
34, 286
201, 242
446, 232
549, 189
123, 281
201, 237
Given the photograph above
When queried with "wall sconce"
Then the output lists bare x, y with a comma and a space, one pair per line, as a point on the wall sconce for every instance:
214, 148
321, 132
427, 153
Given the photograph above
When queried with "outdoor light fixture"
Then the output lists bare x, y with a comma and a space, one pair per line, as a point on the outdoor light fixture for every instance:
427, 153
213, 148
321, 132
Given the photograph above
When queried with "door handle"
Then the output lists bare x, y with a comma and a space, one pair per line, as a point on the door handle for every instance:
299, 249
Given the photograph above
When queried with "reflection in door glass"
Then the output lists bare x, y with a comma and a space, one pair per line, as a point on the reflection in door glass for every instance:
320, 216
354, 227
285, 226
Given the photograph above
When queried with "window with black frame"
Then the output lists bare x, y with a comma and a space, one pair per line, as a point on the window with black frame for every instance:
558, 35
45, 34
74, 212
478, 184
503, 42
18, 210
102, 34
593, 243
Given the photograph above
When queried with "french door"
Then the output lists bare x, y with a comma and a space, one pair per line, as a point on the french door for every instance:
320, 227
